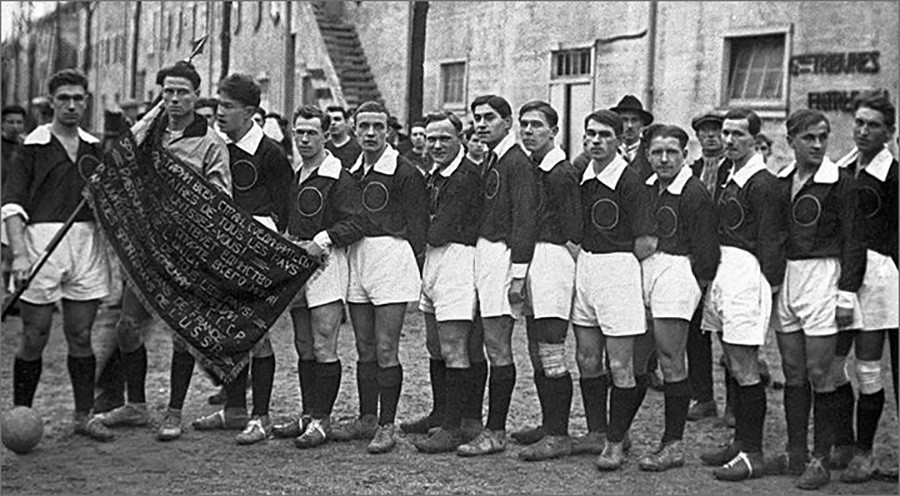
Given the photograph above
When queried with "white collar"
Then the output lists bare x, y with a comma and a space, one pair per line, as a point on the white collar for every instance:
386, 164
450, 169
505, 144
677, 184
877, 168
330, 166
828, 172
553, 157
609, 175
41, 136
754, 165
250, 141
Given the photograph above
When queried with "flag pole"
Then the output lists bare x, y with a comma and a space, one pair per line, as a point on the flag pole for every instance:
60, 234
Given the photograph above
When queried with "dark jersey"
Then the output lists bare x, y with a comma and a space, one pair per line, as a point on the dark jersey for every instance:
824, 221
330, 200
261, 180
45, 182
559, 200
394, 199
510, 201
455, 201
877, 185
686, 223
749, 215
347, 153
617, 208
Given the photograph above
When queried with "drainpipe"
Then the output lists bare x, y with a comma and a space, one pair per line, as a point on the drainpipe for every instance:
225, 37
289, 63
651, 56
136, 37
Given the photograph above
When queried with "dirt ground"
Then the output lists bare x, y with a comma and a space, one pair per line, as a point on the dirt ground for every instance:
211, 463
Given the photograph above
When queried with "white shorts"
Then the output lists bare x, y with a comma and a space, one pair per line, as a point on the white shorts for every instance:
383, 271
78, 269
670, 288
809, 296
448, 282
608, 294
328, 284
493, 261
550, 282
739, 300
878, 293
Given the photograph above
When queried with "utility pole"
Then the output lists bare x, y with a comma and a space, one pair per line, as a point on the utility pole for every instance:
289, 62
416, 43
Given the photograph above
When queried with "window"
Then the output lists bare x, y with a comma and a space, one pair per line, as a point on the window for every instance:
755, 73
180, 26
194, 22
569, 63
168, 32
453, 76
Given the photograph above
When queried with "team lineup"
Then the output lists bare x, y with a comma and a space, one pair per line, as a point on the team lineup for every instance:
643, 254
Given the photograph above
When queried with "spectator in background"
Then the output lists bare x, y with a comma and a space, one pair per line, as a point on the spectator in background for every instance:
474, 146
12, 129
418, 155
342, 144
764, 147
207, 108
41, 112
259, 116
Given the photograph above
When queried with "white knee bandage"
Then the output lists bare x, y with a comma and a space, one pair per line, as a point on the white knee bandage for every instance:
553, 359
839, 370
868, 373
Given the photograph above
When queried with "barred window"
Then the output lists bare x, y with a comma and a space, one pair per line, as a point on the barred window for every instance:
453, 76
568, 63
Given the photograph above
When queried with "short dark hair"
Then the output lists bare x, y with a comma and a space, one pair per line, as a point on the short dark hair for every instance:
338, 108
468, 133
801, 119
542, 107
242, 88
67, 77
754, 124
444, 116
498, 103
879, 102
767, 140
666, 131
261, 111
372, 106
608, 117
180, 69
14, 109
417, 124
212, 103
313, 112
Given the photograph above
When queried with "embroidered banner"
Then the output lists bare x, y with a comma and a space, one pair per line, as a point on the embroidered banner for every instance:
217, 277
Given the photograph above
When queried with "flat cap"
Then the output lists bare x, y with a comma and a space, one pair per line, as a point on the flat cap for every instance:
714, 116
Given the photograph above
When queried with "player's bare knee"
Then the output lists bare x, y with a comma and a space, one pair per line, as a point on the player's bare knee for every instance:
590, 363
868, 376
622, 376
821, 378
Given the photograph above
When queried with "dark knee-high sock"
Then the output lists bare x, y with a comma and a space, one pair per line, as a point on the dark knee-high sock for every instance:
868, 413
437, 370
474, 393
81, 373
180, 378
502, 382
730, 390
135, 368
678, 398
367, 387
737, 409
624, 404
892, 339
797, 403
594, 395
843, 415
753, 416
306, 373
327, 383
262, 378
823, 435
236, 391
456, 384
556, 403
26, 375
390, 382
111, 379
540, 385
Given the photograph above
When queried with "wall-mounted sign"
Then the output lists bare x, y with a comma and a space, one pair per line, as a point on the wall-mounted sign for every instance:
836, 63
834, 100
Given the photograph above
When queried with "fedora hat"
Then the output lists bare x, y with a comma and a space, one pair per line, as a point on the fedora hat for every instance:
630, 103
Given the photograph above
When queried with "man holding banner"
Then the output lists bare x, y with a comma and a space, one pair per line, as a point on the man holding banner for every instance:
188, 138
260, 173
43, 189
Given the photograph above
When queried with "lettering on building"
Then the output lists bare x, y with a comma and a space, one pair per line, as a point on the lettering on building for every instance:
836, 63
